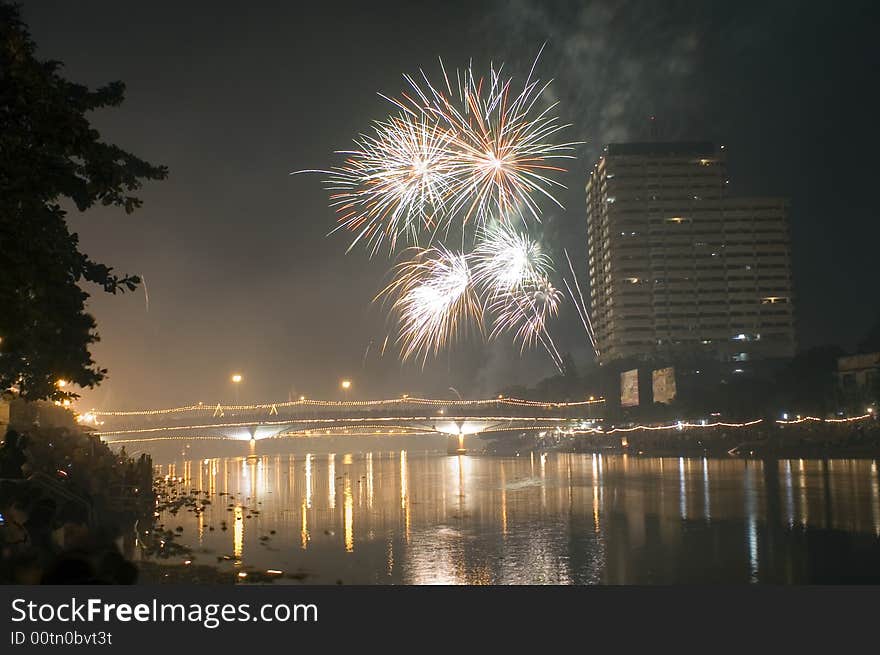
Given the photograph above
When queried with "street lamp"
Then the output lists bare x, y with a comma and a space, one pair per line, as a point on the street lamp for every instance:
236, 381
346, 385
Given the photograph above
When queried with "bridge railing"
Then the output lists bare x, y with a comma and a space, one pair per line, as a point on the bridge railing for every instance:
403, 408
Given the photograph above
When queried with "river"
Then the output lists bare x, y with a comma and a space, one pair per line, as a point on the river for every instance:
409, 516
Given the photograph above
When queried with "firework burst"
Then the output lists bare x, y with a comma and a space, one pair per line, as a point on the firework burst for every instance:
504, 259
394, 186
503, 150
511, 269
434, 300
452, 157
467, 157
525, 311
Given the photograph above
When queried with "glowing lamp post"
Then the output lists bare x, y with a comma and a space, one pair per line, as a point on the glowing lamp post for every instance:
60, 384
236, 382
346, 385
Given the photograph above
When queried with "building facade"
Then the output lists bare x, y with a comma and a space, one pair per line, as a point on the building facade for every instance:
677, 266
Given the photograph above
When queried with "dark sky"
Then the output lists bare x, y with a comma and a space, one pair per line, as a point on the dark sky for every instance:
240, 272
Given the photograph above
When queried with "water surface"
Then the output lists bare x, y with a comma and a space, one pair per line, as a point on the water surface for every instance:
416, 517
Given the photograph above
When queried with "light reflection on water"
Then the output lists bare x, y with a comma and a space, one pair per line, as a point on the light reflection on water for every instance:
423, 518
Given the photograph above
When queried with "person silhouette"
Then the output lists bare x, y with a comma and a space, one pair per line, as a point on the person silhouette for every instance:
12, 455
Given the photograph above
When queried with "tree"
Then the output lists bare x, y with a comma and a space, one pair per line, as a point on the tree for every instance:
49, 154
808, 384
871, 341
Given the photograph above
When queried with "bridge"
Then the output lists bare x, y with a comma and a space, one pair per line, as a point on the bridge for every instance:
307, 417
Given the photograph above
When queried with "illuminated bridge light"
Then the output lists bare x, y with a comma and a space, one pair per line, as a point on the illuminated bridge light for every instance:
396, 416
303, 402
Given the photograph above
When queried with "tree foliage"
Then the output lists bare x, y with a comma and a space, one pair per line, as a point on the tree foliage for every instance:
871, 342
50, 154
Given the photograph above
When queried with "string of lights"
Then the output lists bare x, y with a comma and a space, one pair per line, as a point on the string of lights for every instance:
331, 421
686, 424
537, 423
683, 424
305, 402
294, 434
146, 439
804, 419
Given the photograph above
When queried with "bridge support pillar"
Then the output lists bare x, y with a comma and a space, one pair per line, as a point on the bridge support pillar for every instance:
455, 444
252, 450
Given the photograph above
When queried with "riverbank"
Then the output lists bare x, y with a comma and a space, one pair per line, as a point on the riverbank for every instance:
857, 439
152, 572
163, 554
67, 501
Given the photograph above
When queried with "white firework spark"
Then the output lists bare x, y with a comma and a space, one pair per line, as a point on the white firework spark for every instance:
514, 273
434, 300
394, 186
525, 311
449, 158
503, 151
581, 306
505, 259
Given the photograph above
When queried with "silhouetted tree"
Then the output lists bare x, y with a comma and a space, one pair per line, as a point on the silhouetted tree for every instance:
569, 385
49, 153
808, 385
871, 342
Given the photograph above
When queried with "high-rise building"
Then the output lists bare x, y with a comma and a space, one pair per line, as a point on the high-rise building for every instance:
679, 266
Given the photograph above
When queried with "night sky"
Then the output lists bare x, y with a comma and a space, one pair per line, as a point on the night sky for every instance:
240, 272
